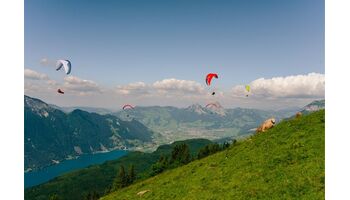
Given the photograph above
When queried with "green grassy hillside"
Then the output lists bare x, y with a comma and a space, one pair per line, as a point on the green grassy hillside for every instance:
286, 162
98, 178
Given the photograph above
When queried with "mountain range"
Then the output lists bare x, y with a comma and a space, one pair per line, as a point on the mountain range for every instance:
314, 106
171, 123
52, 135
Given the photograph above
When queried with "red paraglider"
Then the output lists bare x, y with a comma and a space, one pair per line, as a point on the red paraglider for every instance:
128, 106
60, 91
211, 105
210, 77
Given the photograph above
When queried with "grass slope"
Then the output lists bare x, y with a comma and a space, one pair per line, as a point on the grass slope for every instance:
286, 162
97, 178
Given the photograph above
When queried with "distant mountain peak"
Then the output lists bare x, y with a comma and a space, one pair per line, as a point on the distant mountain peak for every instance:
315, 106
197, 108
217, 109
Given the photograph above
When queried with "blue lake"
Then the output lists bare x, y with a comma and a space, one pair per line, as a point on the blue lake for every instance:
48, 173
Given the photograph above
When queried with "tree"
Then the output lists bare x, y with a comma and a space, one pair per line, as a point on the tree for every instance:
208, 150
186, 155
88, 196
234, 141
213, 148
131, 174
203, 152
180, 154
225, 145
121, 180
95, 196
159, 166
53, 197
92, 196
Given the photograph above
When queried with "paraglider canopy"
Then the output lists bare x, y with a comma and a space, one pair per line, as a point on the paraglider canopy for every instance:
66, 64
247, 88
60, 91
209, 77
211, 105
128, 106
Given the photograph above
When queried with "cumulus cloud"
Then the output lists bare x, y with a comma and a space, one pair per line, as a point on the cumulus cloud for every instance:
138, 88
273, 93
83, 87
33, 75
311, 85
38, 83
178, 86
167, 87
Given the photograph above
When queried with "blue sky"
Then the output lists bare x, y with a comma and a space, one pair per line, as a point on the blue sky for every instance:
117, 42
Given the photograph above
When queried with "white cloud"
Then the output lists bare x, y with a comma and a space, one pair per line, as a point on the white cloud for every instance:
274, 93
138, 88
38, 83
83, 87
33, 75
311, 85
167, 87
178, 86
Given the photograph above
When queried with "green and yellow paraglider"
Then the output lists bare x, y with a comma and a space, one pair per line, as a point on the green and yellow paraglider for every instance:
247, 88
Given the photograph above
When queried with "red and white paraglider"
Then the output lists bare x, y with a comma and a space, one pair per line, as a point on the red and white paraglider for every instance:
211, 105
209, 78
128, 107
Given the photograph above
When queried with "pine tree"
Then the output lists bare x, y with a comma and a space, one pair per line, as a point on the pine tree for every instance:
121, 180
234, 141
131, 175
203, 152
159, 166
53, 197
225, 145
213, 148
88, 196
123, 177
95, 195
180, 155
186, 156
